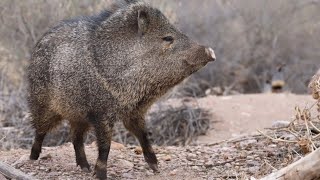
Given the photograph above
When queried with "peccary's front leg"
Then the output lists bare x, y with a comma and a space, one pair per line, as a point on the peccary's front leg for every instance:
137, 127
36, 147
103, 128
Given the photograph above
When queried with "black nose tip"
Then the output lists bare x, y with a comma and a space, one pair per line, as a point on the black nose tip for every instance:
210, 53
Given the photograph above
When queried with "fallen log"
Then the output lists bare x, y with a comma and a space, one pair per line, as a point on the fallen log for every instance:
307, 168
12, 173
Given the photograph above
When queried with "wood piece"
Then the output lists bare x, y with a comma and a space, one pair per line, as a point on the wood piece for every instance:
13, 173
307, 168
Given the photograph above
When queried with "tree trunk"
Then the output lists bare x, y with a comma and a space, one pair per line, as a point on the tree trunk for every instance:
13, 173
307, 168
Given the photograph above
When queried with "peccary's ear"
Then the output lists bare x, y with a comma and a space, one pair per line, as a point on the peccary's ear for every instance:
143, 22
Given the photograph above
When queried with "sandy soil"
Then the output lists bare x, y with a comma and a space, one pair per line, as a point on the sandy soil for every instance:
244, 114
239, 158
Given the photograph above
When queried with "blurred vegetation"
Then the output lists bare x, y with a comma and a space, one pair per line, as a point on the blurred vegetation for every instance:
251, 40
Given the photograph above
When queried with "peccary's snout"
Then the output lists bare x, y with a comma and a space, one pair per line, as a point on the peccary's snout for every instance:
209, 51
201, 56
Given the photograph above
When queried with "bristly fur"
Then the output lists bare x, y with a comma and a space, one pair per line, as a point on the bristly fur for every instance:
95, 70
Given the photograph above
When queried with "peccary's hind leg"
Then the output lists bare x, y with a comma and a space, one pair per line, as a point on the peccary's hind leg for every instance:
103, 128
137, 127
79, 130
42, 126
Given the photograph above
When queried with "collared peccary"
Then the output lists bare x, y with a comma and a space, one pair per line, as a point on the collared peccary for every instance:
96, 70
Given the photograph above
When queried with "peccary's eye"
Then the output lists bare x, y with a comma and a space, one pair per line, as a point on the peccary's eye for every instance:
168, 39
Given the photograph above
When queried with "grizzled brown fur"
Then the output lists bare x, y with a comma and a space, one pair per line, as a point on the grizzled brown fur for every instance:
94, 71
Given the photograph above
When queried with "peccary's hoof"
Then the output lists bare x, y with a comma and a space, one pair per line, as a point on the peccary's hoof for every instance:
154, 167
86, 170
100, 174
85, 167
33, 156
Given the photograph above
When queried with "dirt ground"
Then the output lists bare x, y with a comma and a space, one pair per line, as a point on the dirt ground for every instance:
244, 154
244, 114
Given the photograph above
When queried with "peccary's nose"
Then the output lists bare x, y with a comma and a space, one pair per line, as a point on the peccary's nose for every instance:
210, 53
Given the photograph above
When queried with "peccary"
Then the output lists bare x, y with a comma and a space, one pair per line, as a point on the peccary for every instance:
96, 70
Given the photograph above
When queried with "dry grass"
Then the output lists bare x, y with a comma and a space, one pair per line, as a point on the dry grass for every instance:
178, 126
303, 131
314, 85
171, 126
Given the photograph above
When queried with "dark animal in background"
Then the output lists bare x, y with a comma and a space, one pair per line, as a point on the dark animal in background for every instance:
96, 70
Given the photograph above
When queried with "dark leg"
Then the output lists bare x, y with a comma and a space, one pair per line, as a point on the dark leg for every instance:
79, 130
137, 127
42, 127
104, 135
36, 147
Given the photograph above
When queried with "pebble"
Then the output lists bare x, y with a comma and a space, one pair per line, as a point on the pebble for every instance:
253, 170
228, 165
125, 164
149, 173
128, 176
53, 174
289, 137
191, 157
117, 146
33, 173
243, 144
280, 124
46, 157
253, 163
138, 150
166, 158
209, 164
173, 172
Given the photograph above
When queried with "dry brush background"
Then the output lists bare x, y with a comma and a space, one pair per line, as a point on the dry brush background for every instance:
251, 40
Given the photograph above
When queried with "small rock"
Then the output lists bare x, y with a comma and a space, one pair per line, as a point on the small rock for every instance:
54, 174
117, 146
166, 158
45, 157
149, 173
33, 173
289, 137
209, 164
2, 177
253, 170
228, 165
197, 168
138, 150
280, 124
253, 163
191, 157
272, 146
112, 173
125, 164
127, 176
247, 142
243, 155
173, 172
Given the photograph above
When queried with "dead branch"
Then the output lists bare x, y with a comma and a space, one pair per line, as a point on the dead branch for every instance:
13, 173
307, 168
